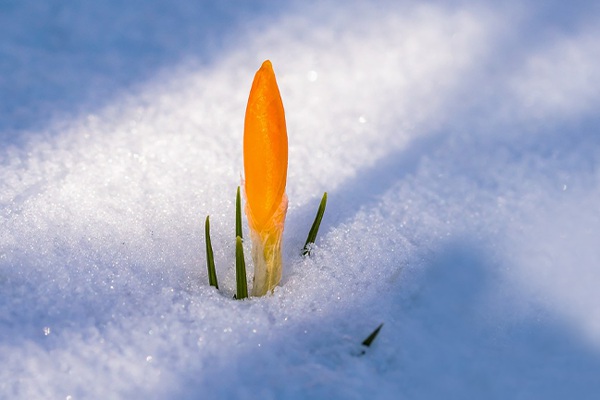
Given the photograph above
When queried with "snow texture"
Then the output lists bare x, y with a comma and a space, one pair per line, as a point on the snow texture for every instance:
459, 143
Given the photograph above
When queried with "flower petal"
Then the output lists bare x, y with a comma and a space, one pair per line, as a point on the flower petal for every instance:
265, 150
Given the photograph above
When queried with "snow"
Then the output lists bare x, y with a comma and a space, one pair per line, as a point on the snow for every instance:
459, 145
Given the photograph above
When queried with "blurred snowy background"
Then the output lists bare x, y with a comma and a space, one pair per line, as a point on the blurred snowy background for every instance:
459, 143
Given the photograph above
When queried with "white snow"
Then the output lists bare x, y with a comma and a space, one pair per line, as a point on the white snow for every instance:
459, 143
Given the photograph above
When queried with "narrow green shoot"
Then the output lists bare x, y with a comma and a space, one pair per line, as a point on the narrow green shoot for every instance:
240, 270
312, 235
240, 264
210, 260
367, 342
238, 214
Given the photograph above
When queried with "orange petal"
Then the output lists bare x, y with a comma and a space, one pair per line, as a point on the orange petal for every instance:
265, 152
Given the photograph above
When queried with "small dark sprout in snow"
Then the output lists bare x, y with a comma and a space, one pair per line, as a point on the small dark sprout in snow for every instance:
367, 342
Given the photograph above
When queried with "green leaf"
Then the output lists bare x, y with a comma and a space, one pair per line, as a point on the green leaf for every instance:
238, 214
367, 342
312, 235
210, 260
240, 270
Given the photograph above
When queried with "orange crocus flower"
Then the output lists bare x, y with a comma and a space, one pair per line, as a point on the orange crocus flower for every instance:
265, 166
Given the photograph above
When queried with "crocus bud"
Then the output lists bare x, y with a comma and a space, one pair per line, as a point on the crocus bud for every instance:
265, 167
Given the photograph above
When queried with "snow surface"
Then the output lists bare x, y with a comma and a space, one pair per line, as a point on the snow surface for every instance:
459, 143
